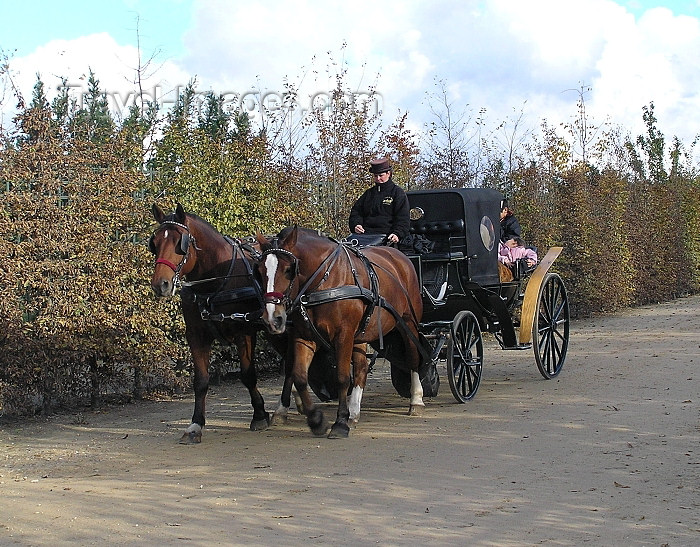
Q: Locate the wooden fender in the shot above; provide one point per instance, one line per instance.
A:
(532, 293)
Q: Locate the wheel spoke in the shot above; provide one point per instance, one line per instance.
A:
(463, 380)
(465, 356)
(551, 336)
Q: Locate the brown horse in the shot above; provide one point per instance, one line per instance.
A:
(340, 298)
(220, 299)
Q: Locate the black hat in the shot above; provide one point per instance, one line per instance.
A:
(379, 165)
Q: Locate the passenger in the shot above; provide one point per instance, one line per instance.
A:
(513, 250)
(510, 227)
(382, 209)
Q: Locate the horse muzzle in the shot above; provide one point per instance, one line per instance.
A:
(163, 287)
(275, 318)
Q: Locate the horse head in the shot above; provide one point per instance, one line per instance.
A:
(172, 245)
(277, 269)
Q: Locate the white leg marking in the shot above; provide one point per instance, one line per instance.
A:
(280, 415)
(281, 409)
(354, 403)
(416, 390)
(194, 428)
(298, 402)
(271, 264)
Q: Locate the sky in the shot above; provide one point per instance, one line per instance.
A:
(502, 60)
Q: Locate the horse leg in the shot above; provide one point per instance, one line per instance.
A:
(303, 354)
(200, 356)
(360, 368)
(343, 352)
(246, 349)
(282, 410)
(417, 405)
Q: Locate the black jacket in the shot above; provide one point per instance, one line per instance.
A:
(382, 209)
(510, 228)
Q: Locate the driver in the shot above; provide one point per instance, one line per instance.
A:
(382, 209)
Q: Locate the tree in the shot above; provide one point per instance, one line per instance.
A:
(93, 121)
(400, 145)
(74, 292)
(345, 129)
(452, 147)
(221, 173)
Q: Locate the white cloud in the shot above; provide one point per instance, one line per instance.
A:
(495, 54)
(114, 65)
(652, 61)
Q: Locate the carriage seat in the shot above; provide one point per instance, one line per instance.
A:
(449, 237)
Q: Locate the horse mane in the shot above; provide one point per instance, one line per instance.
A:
(309, 231)
(201, 223)
(205, 223)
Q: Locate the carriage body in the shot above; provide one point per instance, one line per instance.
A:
(461, 273)
(464, 296)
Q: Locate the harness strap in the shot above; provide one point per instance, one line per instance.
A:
(234, 252)
(371, 296)
(240, 246)
(208, 301)
(338, 293)
(331, 259)
(402, 324)
(374, 288)
(405, 292)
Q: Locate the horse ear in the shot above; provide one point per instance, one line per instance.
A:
(158, 213)
(290, 240)
(263, 241)
(180, 214)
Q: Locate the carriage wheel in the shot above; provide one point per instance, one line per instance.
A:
(465, 356)
(550, 330)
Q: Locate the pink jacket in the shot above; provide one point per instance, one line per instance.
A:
(508, 255)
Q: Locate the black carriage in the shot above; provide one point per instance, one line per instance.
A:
(464, 296)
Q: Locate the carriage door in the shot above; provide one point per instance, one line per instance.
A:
(483, 229)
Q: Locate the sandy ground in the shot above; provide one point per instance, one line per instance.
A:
(605, 454)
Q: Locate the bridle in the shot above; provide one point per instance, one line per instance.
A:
(278, 297)
(285, 298)
(187, 240)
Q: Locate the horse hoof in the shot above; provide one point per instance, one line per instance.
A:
(279, 419)
(260, 425)
(415, 410)
(339, 431)
(317, 423)
(191, 437)
(320, 431)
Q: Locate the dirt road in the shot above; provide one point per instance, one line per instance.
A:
(607, 453)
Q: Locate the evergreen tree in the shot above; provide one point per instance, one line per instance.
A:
(93, 121)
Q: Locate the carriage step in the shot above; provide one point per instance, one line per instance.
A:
(519, 347)
(439, 299)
